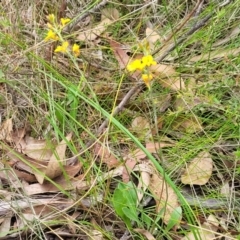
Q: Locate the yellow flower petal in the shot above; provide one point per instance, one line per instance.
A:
(62, 48)
(147, 78)
(65, 21)
(76, 50)
(135, 65)
(51, 18)
(148, 60)
(51, 35)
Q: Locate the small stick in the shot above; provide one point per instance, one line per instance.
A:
(120, 106)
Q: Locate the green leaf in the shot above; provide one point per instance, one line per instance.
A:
(175, 218)
(146, 219)
(119, 202)
(124, 201)
(131, 214)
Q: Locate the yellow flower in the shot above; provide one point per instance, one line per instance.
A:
(51, 35)
(64, 21)
(147, 79)
(51, 18)
(138, 64)
(62, 48)
(76, 50)
(135, 65)
(148, 61)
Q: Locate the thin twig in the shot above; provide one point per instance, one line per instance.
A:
(199, 9)
(120, 106)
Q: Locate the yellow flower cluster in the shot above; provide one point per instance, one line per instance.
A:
(143, 65)
(55, 33)
(51, 35)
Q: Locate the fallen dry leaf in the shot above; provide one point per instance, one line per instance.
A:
(106, 156)
(25, 163)
(7, 206)
(6, 130)
(143, 184)
(152, 148)
(95, 32)
(142, 127)
(140, 123)
(5, 226)
(129, 165)
(71, 223)
(153, 37)
(133, 158)
(24, 176)
(168, 77)
(213, 222)
(38, 149)
(25, 220)
(119, 53)
(110, 13)
(56, 163)
(199, 170)
(76, 183)
(122, 57)
(60, 183)
(13, 175)
(165, 197)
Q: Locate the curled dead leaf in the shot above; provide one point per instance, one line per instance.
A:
(165, 197)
